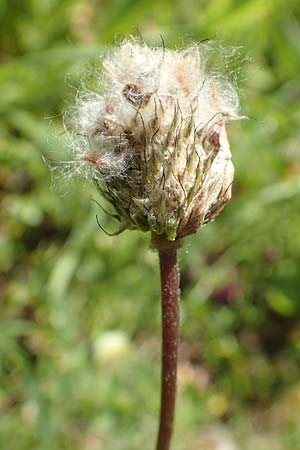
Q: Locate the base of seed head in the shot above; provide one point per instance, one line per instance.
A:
(155, 141)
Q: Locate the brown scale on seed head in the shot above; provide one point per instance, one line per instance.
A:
(181, 77)
(135, 95)
(91, 159)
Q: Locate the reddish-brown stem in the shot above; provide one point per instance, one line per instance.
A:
(170, 336)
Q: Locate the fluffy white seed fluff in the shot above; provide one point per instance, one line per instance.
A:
(154, 140)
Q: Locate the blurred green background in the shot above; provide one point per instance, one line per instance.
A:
(80, 312)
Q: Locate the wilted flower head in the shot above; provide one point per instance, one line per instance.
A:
(154, 140)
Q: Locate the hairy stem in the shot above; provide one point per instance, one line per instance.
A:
(170, 336)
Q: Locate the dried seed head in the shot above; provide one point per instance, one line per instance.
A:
(155, 142)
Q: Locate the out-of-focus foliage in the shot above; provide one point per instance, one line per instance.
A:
(80, 313)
